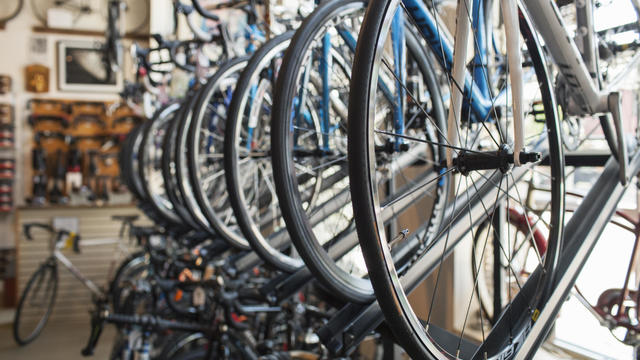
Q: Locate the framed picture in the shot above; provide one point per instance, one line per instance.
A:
(81, 68)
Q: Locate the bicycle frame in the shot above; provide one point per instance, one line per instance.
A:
(68, 264)
(324, 69)
(588, 98)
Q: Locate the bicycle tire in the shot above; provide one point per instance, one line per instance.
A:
(38, 276)
(169, 170)
(316, 257)
(243, 100)
(184, 187)
(132, 265)
(128, 162)
(193, 167)
(418, 339)
(176, 344)
(158, 198)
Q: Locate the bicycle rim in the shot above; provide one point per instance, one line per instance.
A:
(204, 145)
(386, 227)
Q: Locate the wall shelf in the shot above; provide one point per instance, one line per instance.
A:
(93, 33)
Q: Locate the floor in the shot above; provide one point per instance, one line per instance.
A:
(58, 341)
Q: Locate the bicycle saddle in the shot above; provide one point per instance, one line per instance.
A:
(128, 218)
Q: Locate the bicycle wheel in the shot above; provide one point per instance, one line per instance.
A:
(494, 283)
(136, 12)
(95, 10)
(36, 303)
(393, 230)
(11, 11)
(128, 162)
(169, 172)
(129, 165)
(150, 163)
(200, 167)
(247, 165)
(227, 346)
(133, 267)
(185, 189)
(180, 343)
(136, 16)
(310, 148)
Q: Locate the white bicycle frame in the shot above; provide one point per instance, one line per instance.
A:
(66, 262)
(588, 98)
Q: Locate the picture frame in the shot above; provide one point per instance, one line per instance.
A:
(81, 68)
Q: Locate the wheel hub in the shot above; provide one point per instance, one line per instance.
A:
(502, 160)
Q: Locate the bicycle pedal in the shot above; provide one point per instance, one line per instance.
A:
(537, 110)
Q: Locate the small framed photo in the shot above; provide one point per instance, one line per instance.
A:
(81, 68)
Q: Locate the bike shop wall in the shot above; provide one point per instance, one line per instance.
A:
(25, 42)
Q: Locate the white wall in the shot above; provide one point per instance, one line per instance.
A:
(15, 55)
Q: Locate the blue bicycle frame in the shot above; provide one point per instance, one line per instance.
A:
(325, 64)
(481, 102)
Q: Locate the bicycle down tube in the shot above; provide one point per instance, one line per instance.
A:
(75, 272)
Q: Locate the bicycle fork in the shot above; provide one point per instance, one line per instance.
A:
(512, 31)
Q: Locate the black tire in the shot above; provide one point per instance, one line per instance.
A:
(258, 238)
(315, 255)
(184, 188)
(226, 346)
(47, 275)
(178, 344)
(192, 355)
(293, 211)
(132, 267)
(418, 338)
(128, 162)
(193, 168)
(151, 134)
(169, 169)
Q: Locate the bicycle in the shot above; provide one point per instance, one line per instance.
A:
(39, 294)
(614, 309)
(504, 95)
(92, 12)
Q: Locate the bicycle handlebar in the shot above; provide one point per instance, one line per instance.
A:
(60, 234)
(26, 228)
(203, 12)
(173, 47)
(197, 31)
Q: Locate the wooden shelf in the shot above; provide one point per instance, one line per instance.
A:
(47, 30)
(71, 207)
